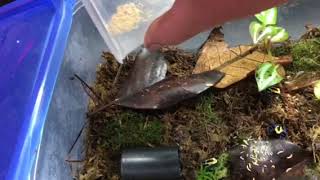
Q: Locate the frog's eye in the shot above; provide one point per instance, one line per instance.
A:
(279, 130)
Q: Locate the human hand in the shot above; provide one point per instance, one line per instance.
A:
(187, 18)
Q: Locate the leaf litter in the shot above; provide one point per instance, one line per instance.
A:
(237, 62)
(169, 92)
(147, 70)
(302, 80)
(203, 127)
(147, 87)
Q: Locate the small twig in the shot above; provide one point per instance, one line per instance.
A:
(314, 152)
(285, 60)
(114, 83)
(100, 109)
(235, 53)
(84, 83)
(235, 59)
(89, 90)
(116, 79)
(145, 123)
(77, 138)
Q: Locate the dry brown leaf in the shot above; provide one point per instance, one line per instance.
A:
(148, 69)
(302, 80)
(237, 63)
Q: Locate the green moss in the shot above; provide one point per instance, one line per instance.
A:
(218, 171)
(130, 129)
(206, 111)
(306, 55)
(313, 171)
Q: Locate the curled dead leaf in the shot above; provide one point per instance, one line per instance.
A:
(148, 69)
(171, 91)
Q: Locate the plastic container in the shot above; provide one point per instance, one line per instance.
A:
(33, 35)
(68, 107)
(123, 23)
(66, 114)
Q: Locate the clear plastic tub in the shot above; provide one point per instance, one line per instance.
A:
(123, 23)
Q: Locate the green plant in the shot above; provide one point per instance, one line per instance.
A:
(265, 30)
(269, 74)
(216, 171)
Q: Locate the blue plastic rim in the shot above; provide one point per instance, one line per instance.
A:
(33, 36)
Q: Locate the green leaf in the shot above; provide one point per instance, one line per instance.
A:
(274, 33)
(268, 17)
(267, 33)
(317, 90)
(281, 36)
(266, 27)
(268, 75)
(255, 29)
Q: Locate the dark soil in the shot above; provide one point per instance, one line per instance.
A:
(203, 127)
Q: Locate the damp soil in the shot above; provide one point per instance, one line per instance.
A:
(203, 127)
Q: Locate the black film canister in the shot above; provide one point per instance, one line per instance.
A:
(151, 164)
